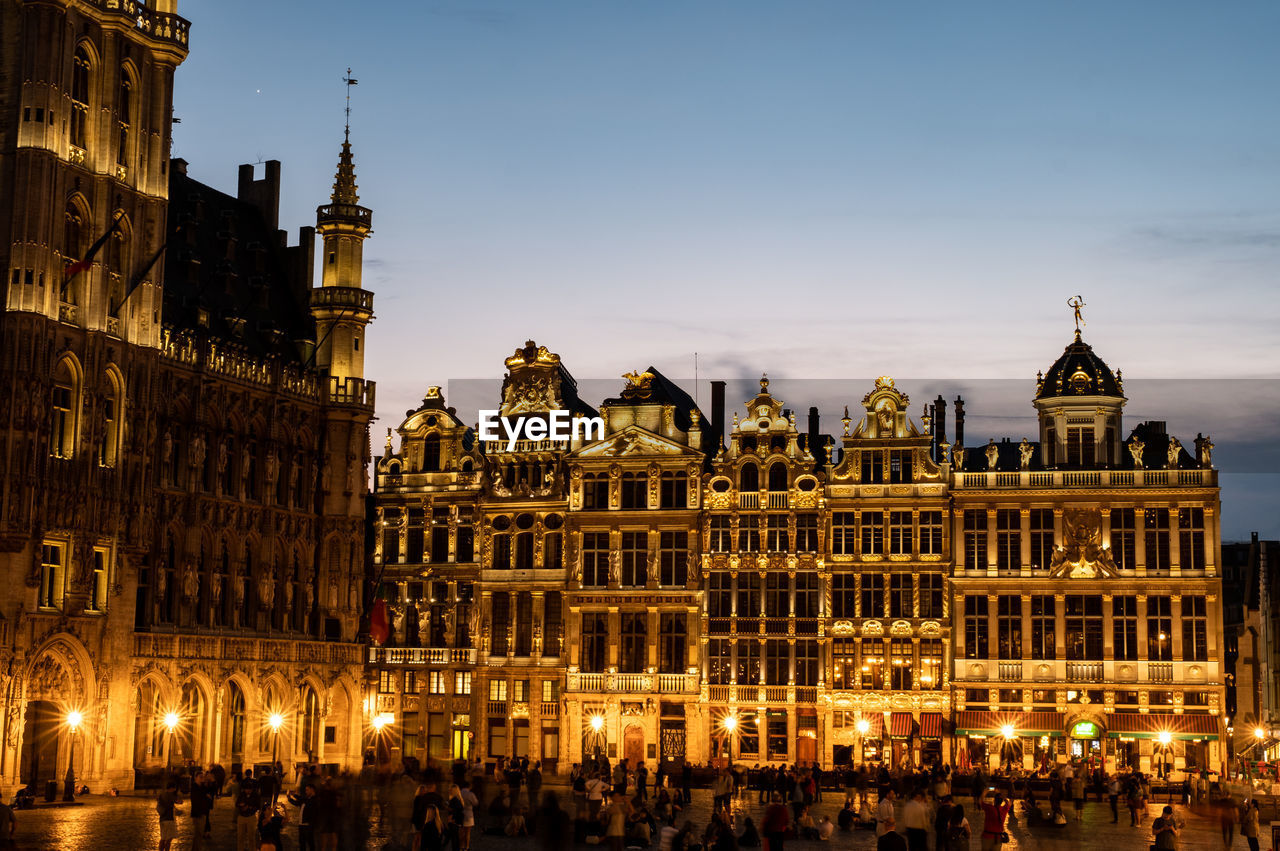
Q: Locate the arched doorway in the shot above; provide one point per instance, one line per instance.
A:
(633, 745)
(233, 726)
(310, 741)
(149, 745)
(51, 693)
(192, 734)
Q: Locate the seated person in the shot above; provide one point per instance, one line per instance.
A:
(750, 836)
(805, 826)
(825, 828)
(516, 825)
(866, 816)
(848, 814)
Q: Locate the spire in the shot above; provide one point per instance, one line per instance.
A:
(344, 183)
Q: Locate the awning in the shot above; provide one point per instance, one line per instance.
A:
(931, 725)
(1151, 725)
(1023, 723)
(900, 725)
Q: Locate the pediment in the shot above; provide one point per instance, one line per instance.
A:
(633, 441)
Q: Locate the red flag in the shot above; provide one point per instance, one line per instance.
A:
(73, 269)
(379, 628)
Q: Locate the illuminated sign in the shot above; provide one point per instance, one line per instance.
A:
(1084, 730)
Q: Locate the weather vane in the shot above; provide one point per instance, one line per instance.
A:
(350, 81)
(1075, 304)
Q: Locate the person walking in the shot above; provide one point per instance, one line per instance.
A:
(247, 804)
(1077, 795)
(915, 818)
(1113, 796)
(618, 816)
(202, 792)
(775, 823)
(994, 810)
(1249, 824)
(642, 782)
(1164, 831)
(166, 807)
(533, 784)
(305, 802)
(884, 811)
(1227, 816)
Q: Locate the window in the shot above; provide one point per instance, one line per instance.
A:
(462, 682)
(634, 642)
(497, 737)
(721, 534)
(748, 661)
(550, 691)
(524, 624)
(748, 595)
(1008, 539)
(1123, 533)
(520, 691)
(931, 595)
(807, 533)
(872, 468)
(719, 660)
(80, 68)
(1195, 631)
(410, 683)
(749, 533)
(845, 660)
(777, 662)
(501, 615)
(52, 571)
(436, 682)
(901, 595)
(873, 663)
(931, 533)
(98, 591)
(1009, 624)
(777, 476)
(975, 627)
(124, 106)
(900, 653)
(672, 649)
(719, 594)
(1041, 537)
(806, 666)
(806, 595)
(595, 559)
(777, 596)
(595, 492)
(524, 542)
(872, 533)
(675, 490)
(439, 535)
(386, 682)
(975, 539)
(109, 448)
(844, 595)
(777, 538)
(899, 466)
(872, 595)
(1124, 626)
(635, 491)
(1191, 538)
(1043, 627)
(498, 691)
(931, 663)
(843, 535)
(900, 532)
(1156, 536)
(749, 478)
(595, 642)
(553, 624)
(635, 559)
(66, 390)
(1080, 447)
(1083, 625)
(673, 558)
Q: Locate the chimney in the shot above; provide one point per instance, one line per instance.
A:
(263, 194)
(813, 432)
(717, 415)
(959, 421)
(939, 427)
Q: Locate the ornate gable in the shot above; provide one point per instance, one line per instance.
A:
(633, 441)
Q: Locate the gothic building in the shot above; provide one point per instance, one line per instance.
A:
(668, 591)
(184, 433)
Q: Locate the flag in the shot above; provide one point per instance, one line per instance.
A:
(73, 269)
(379, 629)
(137, 279)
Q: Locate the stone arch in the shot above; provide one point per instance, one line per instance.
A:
(195, 707)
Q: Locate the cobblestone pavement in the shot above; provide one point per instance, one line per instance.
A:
(130, 823)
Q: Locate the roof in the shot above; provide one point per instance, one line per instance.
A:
(1078, 373)
(656, 389)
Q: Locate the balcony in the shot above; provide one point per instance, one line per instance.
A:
(1085, 672)
(226, 648)
(1160, 672)
(344, 213)
(351, 391)
(158, 25)
(421, 656)
(634, 683)
(342, 297)
(1201, 477)
(1010, 672)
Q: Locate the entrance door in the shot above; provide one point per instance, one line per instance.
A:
(40, 743)
(633, 746)
(806, 750)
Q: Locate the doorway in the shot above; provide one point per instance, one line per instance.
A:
(633, 746)
(40, 743)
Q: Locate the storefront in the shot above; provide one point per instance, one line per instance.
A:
(994, 739)
(901, 731)
(931, 738)
(1163, 744)
(857, 738)
(1084, 742)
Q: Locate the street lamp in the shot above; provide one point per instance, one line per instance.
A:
(275, 721)
(74, 718)
(1165, 738)
(170, 720)
(1007, 733)
(730, 725)
(863, 726)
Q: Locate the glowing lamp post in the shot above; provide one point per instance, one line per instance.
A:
(1007, 732)
(74, 719)
(170, 721)
(275, 721)
(1165, 738)
(730, 725)
(863, 727)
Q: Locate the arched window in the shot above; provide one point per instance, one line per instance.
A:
(235, 720)
(749, 478)
(64, 405)
(112, 412)
(777, 476)
(270, 708)
(118, 260)
(81, 66)
(124, 114)
(191, 733)
(431, 453)
(310, 723)
(148, 735)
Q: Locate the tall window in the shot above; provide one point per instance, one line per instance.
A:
(52, 573)
(806, 533)
(1009, 624)
(719, 661)
(523, 542)
(719, 594)
(98, 590)
(552, 544)
(1123, 532)
(806, 664)
(749, 533)
(109, 448)
(931, 595)
(1157, 538)
(672, 648)
(311, 722)
(975, 539)
(1080, 447)
(1195, 629)
(124, 115)
(675, 490)
(595, 492)
(673, 558)
(777, 662)
(873, 663)
(80, 69)
(845, 667)
(635, 559)
(872, 532)
(1124, 626)
(975, 627)
(501, 610)
(1041, 537)
(931, 533)
(1083, 625)
(553, 624)
(844, 595)
(873, 595)
(777, 538)
(747, 668)
(633, 641)
(1191, 538)
(806, 595)
(431, 453)
(900, 652)
(931, 663)
(73, 244)
(777, 596)
(748, 595)
(901, 595)
(900, 532)
(595, 642)
(872, 468)
(899, 466)
(595, 559)
(777, 476)
(1160, 629)
(721, 533)
(749, 478)
(843, 533)
(635, 491)
(1008, 539)
(1043, 627)
(66, 390)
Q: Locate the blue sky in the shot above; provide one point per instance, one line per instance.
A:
(822, 190)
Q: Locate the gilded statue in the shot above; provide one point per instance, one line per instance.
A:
(1175, 450)
(1082, 555)
(1025, 453)
(957, 457)
(1136, 448)
(993, 454)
